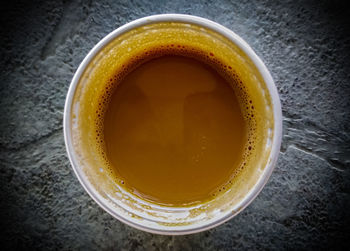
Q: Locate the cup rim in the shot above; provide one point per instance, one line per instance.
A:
(234, 38)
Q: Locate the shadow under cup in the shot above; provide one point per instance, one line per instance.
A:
(109, 56)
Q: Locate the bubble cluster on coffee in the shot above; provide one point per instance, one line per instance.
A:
(227, 71)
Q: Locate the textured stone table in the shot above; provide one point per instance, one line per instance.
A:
(306, 203)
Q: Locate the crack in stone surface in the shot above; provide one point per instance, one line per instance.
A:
(332, 148)
(34, 141)
(74, 14)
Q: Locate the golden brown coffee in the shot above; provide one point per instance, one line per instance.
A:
(175, 125)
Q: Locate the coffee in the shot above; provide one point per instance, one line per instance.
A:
(174, 125)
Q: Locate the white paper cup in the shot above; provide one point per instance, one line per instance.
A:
(145, 215)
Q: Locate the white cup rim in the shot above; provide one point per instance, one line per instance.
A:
(277, 131)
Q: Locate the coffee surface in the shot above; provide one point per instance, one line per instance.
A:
(173, 128)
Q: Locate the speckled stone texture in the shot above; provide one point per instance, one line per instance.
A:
(306, 203)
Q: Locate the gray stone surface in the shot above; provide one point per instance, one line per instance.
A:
(305, 205)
